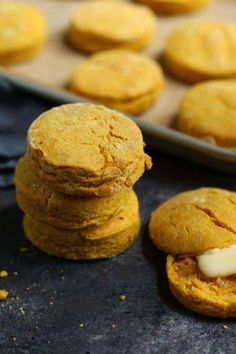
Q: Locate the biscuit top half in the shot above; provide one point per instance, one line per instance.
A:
(105, 75)
(195, 221)
(21, 25)
(118, 21)
(88, 139)
(209, 110)
(205, 46)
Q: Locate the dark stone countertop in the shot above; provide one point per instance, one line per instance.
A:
(74, 307)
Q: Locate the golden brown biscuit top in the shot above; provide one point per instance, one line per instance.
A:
(114, 20)
(90, 138)
(204, 46)
(195, 221)
(209, 109)
(20, 25)
(117, 75)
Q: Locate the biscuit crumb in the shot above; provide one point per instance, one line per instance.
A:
(122, 297)
(14, 338)
(3, 273)
(113, 325)
(22, 310)
(3, 294)
(15, 273)
(51, 303)
(81, 325)
(225, 327)
(24, 249)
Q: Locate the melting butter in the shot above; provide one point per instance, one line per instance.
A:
(218, 262)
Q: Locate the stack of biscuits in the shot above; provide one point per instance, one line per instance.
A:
(75, 182)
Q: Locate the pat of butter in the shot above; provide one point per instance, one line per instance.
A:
(218, 262)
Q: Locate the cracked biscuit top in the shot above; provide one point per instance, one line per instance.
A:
(208, 110)
(200, 50)
(195, 221)
(86, 149)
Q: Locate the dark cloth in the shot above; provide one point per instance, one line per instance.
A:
(18, 109)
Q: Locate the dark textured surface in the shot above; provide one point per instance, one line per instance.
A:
(63, 295)
(61, 307)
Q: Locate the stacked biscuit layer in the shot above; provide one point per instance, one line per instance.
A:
(74, 183)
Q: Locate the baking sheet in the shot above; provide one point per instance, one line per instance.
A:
(162, 137)
(56, 62)
(54, 65)
(57, 306)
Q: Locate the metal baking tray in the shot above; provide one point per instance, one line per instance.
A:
(166, 139)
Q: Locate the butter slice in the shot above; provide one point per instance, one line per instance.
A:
(218, 262)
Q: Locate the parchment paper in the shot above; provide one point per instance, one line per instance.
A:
(56, 62)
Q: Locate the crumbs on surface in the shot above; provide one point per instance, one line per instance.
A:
(22, 310)
(3, 273)
(24, 249)
(113, 325)
(81, 325)
(3, 294)
(15, 273)
(225, 327)
(122, 297)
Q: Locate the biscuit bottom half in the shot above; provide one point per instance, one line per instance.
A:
(208, 296)
(27, 53)
(131, 106)
(103, 241)
(91, 43)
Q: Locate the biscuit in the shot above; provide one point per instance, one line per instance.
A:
(202, 50)
(102, 241)
(208, 111)
(195, 221)
(42, 202)
(101, 25)
(174, 6)
(186, 226)
(208, 296)
(23, 32)
(131, 88)
(87, 150)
